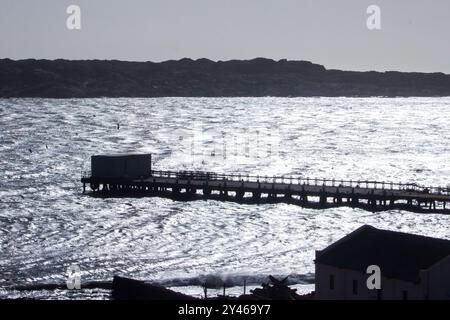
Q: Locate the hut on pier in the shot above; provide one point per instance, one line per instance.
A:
(121, 166)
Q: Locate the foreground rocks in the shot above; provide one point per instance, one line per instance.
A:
(205, 78)
(130, 289)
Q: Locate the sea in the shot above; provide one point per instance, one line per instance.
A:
(48, 227)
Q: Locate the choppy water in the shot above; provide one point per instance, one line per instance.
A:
(46, 224)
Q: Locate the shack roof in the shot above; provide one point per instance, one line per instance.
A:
(118, 155)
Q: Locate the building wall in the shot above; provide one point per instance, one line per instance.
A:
(391, 289)
(436, 280)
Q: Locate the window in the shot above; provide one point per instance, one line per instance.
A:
(405, 295)
(332, 282)
(355, 286)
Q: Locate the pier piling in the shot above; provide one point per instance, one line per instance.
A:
(372, 196)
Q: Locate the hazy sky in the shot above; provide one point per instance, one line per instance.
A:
(414, 36)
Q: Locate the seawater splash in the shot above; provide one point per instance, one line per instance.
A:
(46, 224)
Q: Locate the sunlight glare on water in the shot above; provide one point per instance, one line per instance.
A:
(47, 224)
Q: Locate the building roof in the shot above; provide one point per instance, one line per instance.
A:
(121, 155)
(399, 255)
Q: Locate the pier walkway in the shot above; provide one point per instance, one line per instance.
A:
(306, 192)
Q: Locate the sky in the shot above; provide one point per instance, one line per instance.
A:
(414, 34)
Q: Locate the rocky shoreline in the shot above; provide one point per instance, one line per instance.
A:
(131, 289)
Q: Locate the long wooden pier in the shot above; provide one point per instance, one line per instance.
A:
(311, 193)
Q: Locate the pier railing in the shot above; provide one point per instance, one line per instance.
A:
(291, 179)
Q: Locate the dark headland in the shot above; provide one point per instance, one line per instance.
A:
(206, 78)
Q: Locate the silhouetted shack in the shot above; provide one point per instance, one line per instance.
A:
(411, 266)
(121, 166)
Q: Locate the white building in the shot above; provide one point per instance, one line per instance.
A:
(412, 266)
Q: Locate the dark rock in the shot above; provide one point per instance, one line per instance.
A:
(275, 290)
(130, 289)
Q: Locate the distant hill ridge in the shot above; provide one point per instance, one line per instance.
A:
(206, 78)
